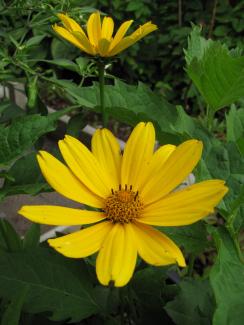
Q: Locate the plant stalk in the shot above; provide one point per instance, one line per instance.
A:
(101, 69)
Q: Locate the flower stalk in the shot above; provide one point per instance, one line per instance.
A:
(101, 72)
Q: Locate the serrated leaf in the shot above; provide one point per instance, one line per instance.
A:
(57, 285)
(24, 132)
(197, 45)
(21, 135)
(194, 304)
(218, 75)
(227, 280)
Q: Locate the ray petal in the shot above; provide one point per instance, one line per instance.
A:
(85, 166)
(175, 170)
(64, 181)
(156, 248)
(106, 149)
(82, 243)
(120, 34)
(60, 216)
(116, 260)
(185, 206)
(94, 28)
(137, 154)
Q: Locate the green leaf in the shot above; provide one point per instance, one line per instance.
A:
(235, 126)
(128, 104)
(11, 239)
(193, 305)
(23, 133)
(9, 111)
(227, 281)
(64, 63)
(12, 314)
(218, 75)
(151, 292)
(197, 45)
(56, 284)
(24, 178)
(32, 236)
(35, 40)
(76, 124)
(193, 237)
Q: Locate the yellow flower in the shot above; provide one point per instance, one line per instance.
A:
(133, 191)
(100, 40)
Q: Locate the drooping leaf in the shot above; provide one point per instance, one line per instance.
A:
(57, 285)
(227, 281)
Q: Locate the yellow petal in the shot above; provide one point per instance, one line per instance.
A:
(122, 45)
(185, 206)
(120, 33)
(177, 167)
(107, 28)
(103, 46)
(88, 48)
(64, 182)
(156, 248)
(138, 152)
(106, 149)
(85, 166)
(82, 243)
(157, 162)
(70, 23)
(69, 37)
(61, 216)
(117, 257)
(94, 28)
(143, 30)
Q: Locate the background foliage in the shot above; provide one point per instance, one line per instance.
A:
(191, 86)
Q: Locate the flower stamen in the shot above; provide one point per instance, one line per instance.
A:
(123, 206)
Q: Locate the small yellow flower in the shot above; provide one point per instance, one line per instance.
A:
(133, 191)
(100, 40)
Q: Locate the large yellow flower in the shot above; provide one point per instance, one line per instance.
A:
(100, 40)
(133, 191)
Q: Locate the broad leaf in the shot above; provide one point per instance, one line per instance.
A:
(56, 285)
(227, 280)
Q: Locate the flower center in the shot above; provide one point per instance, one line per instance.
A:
(123, 206)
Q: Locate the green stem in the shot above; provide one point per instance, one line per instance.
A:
(101, 68)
